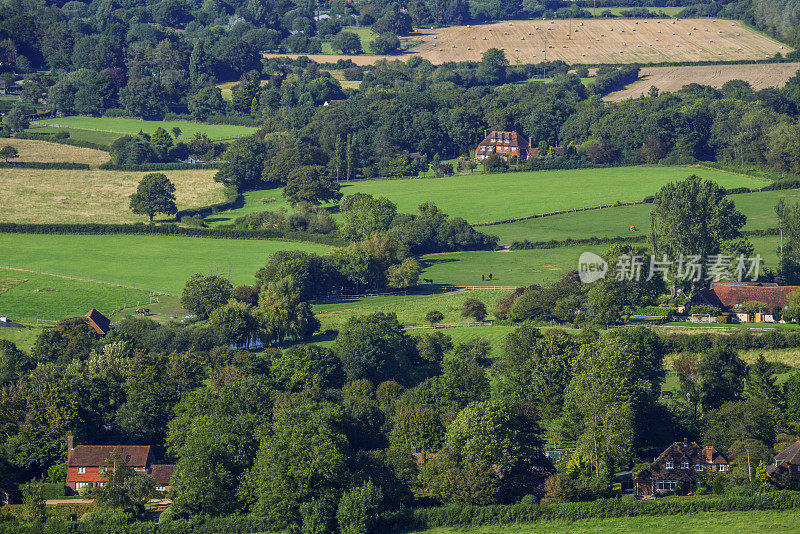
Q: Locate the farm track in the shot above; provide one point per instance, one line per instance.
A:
(670, 79)
(590, 41)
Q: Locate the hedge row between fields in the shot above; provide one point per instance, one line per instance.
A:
(150, 167)
(64, 166)
(163, 229)
(50, 138)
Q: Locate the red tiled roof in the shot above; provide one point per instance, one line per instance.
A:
(727, 296)
(505, 139)
(161, 473)
(96, 455)
(98, 321)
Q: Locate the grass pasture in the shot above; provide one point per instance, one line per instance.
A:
(612, 222)
(409, 308)
(76, 196)
(752, 522)
(97, 137)
(44, 152)
(34, 296)
(149, 263)
(491, 197)
(121, 126)
(670, 79)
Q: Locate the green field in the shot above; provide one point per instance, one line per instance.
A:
(150, 263)
(701, 523)
(121, 126)
(610, 222)
(409, 308)
(23, 338)
(29, 296)
(253, 203)
(365, 34)
(97, 137)
(491, 197)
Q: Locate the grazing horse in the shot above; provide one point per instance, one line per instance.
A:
(143, 311)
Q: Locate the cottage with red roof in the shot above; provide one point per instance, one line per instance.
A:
(86, 464)
(505, 144)
(729, 297)
(678, 468)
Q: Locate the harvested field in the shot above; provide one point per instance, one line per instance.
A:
(44, 152)
(592, 41)
(72, 196)
(669, 79)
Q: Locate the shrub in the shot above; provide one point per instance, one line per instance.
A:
(359, 509)
(434, 316)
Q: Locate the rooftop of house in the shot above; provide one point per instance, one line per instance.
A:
(504, 138)
(161, 473)
(727, 296)
(96, 455)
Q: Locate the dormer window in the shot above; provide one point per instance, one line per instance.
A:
(684, 465)
(668, 464)
(698, 467)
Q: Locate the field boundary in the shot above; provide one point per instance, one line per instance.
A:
(38, 124)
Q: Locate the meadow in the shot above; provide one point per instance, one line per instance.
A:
(149, 263)
(27, 296)
(611, 222)
(490, 197)
(410, 308)
(751, 522)
(96, 137)
(122, 126)
(77, 196)
(44, 152)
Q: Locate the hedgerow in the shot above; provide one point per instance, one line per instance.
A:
(44, 165)
(108, 166)
(50, 138)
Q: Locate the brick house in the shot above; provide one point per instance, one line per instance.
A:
(507, 145)
(728, 297)
(679, 467)
(86, 464)
(786, 465)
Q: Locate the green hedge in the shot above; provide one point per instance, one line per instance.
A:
(108, 166)
(49, 137)
(44, 165)
(163, 229)
(535, 245)
(51, 491)
(603, 508)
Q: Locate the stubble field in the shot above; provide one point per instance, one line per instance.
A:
(670, 79)
(590, 41)
(43, 152)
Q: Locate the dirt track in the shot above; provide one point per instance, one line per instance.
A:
(669, 79)
(589, 41)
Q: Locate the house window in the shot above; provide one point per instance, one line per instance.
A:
(698, 467)
(161, 488)
(684, 465)
(669, 464)
(101, 484)
(81, 470)
(722, 467)
(79, 485)
(666, 485)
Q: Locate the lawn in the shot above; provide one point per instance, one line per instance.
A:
(76, 196)
(609, 222)
(409, 308)
(701, 523)
(38, 296)
(121, 126)
(150, 263)
(491, 197)
(44, 152)
(23, 338)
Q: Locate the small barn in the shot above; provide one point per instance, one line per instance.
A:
(99, 322)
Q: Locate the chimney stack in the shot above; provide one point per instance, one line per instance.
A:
(485, 134)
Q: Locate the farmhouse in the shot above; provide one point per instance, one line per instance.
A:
(677, 468)
(729, 297)
(505, 144)
(786, 465)
(86, 464)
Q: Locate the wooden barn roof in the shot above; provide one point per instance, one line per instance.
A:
(98, 321)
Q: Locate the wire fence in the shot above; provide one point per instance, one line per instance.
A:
(436, 326)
